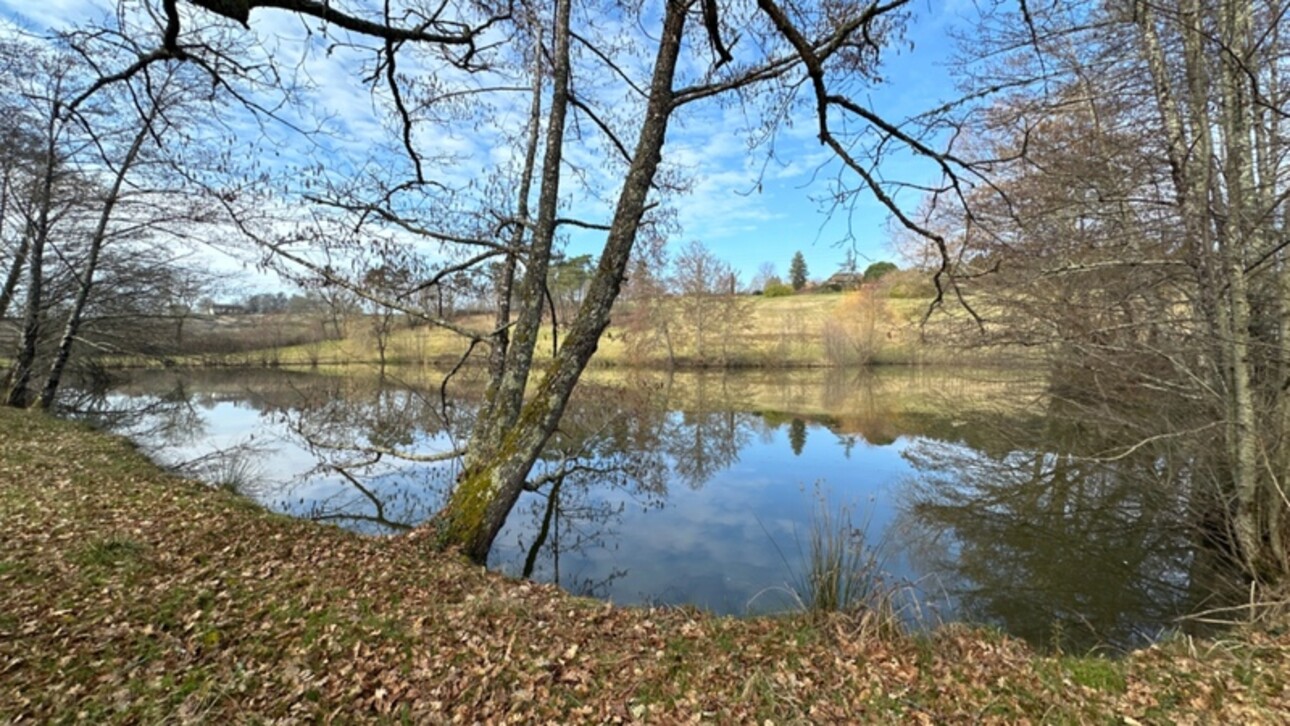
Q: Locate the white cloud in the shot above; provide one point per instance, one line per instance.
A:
(46, 14)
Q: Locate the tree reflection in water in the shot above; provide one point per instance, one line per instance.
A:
(1025, 528)
(621, 446)
(1009, 514)
(385, 440)
(166, 417)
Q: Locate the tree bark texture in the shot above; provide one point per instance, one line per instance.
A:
(1221, 153)
(491, 485)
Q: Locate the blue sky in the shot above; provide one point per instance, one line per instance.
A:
(770, 225)
(740, 222)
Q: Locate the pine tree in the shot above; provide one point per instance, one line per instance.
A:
(797, 271)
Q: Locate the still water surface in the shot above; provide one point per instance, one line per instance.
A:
(701, 489)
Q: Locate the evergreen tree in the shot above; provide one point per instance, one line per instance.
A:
(797, 271)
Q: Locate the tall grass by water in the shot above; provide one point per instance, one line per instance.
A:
(840, 570)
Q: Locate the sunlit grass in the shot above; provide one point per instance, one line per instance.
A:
(774, 332)
(777, 332)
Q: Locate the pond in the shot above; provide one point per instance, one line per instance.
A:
(975, 500)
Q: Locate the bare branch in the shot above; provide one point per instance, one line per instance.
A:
(407, 226)
(712, 24)
(613, 138)
(240, 10)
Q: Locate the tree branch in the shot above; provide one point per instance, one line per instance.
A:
(240, 11)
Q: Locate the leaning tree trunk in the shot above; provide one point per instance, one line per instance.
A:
(490, 486)
(19, 255)
(64, 351)
(16, 268)
(25, 360)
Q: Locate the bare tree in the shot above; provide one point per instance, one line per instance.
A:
(149, 124)
(857, 328)
(1227, 158)
(709, 307)
(46, 209)
(184, 292)
(765, 274)
(101, 220)
(612, 95)
(20, 160)
(381, 318)
(1134, 226)
(646, 310)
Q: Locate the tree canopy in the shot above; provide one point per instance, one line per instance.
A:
(875, 271)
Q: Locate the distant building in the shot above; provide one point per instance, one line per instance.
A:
(844, 280)
(225, 309)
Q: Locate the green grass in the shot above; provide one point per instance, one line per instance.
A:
(1097, 673)
(111, 552)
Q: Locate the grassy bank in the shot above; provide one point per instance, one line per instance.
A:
(808, 330)
(127, 595)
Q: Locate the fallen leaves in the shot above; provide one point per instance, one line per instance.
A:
(127, 595)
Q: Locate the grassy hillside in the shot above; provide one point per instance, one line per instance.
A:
(807, 330)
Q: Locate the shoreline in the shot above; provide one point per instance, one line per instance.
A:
(129, 594)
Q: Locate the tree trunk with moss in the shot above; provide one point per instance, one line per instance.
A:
(505, 448)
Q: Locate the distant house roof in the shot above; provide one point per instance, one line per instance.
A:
(845, 280)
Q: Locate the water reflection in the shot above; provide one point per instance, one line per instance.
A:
(166, 417)
(1030, 530)
(797, 436)
(697, 489)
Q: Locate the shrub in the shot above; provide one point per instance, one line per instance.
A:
(878, 270)
(857, 330)
(777, 289)
(907, 284)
